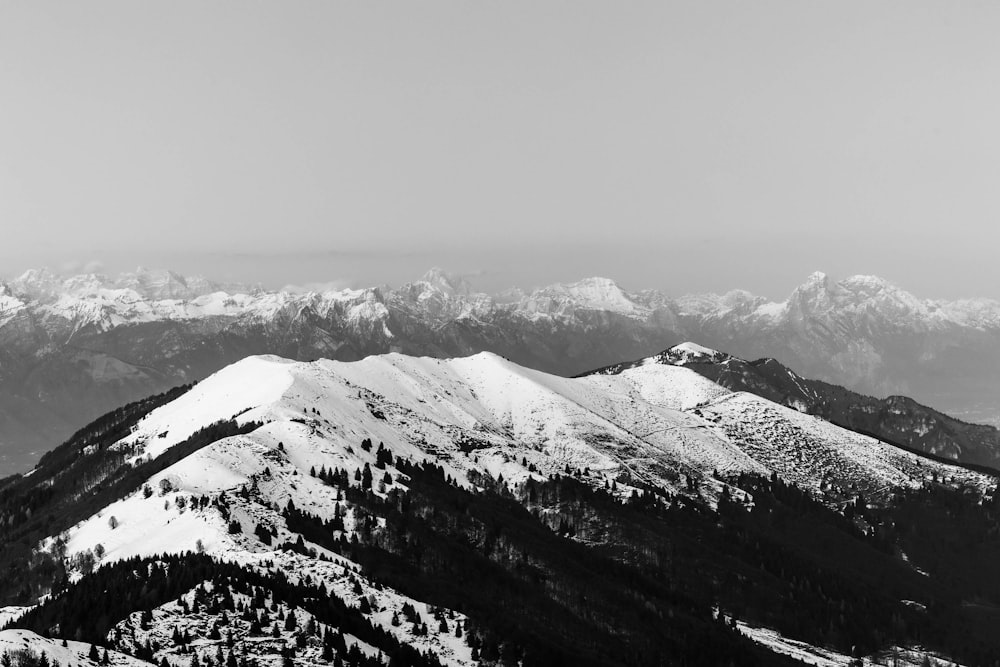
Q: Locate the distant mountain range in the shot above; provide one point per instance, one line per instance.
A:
(74, 348)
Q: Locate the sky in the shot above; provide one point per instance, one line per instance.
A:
(685, 146)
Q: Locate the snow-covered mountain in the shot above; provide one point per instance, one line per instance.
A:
(485, 415)
(74, 348)
(896, 419)
(284, 510)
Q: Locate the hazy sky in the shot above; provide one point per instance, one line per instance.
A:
(688, 146)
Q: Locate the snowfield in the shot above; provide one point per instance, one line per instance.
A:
(652, 423)
(820, 657)
(74, 654)
(8, 614)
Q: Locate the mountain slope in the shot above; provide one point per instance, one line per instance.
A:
(896, 419)
(387, 502)
(634, 427)
(72, 654)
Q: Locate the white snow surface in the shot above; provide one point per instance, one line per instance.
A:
(673, 387)
(239, 389)
(8, 614)
(480, 413)
(689, 352)
(694, 348)
(74, 654)
(10, 307)
(822, 657)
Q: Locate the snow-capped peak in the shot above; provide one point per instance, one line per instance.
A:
(693, 352)
(447, 282)
(862, 297)
(35, 283)
(160, 284)
(817, 278)
(602, 294)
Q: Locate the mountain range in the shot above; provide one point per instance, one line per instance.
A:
(419, 511)
(74, 348)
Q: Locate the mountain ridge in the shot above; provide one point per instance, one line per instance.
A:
(896, 419)
(818, 293)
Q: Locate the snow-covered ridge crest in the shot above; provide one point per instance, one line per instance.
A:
(421, 404)
(654, 424)
(686, 353)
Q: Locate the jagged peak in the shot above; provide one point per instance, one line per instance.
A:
(446, 281)
(589, 283)
(36, 275)
(147, 274)
(35, 283)
(817, 280)
(858, 293)
(867, 279)
(598, 281)
(816, 293)
(596, 293)
(164, 284)
(594, 284)
(870, 285)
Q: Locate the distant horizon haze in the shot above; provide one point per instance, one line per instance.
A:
(683, 146)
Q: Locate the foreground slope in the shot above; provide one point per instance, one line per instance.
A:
(65, 654)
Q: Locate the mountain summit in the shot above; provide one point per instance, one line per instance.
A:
(895, 419)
